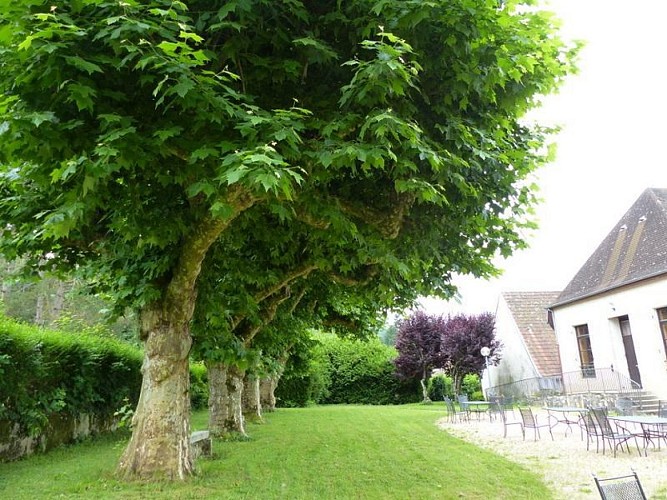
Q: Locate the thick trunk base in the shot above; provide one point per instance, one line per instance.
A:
(267, 393)
(225, 413)
(252, 407)
(160, 444)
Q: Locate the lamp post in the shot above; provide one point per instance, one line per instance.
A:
(485, 351)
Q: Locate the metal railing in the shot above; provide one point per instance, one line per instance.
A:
(581, 385)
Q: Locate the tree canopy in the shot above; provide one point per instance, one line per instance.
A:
(463, 338)
(426, 342)
(382, 138)
(418, 343)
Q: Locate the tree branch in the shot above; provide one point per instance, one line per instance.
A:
(389, 224)
(303, 271)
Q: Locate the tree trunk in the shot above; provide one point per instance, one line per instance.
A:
(267, 390)
(225, 415)
(58, 300)
(425, 397)
(160, 443)
(40, 309)
(252, 407)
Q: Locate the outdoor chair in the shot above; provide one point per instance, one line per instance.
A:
(614, 436)
(500, 411)
(463, 404)
(454, 415)
(507, 402)
(624, 406)
(592, 431)
(662, 408)
(494, 407)
(530, 422)
(625, 487)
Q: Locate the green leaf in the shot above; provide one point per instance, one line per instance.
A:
(234, 175)
(222, 210)
(38, 118)
(203, 153)
(183, 86)
(82, 95)
(89, 183)
(83, 65)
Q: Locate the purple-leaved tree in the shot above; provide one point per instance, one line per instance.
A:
(418, 345)
(462, 339)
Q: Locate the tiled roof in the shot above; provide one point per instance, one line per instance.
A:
(634, 250)
(529, 310)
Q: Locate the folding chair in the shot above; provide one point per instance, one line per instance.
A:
(592, 431)
(530, 422)
(499, 410)
(463, 404)
(610, 435)
(625, 487)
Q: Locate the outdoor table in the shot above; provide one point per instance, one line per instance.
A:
(651, 426)
(478, 406)
(561, 415)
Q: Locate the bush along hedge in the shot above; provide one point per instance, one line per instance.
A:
(50, 380)
(345, 371)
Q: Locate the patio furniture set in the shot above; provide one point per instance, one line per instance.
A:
(596, 424)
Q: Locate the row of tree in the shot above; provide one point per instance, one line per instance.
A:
(450, 344)
(237, 170)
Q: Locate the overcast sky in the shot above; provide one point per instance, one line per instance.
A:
(612, 147)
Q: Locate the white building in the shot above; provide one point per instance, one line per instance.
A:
(611, 319)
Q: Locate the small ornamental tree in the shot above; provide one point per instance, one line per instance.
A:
(418, 345)
(463, 337)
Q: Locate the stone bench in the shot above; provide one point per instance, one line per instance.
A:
(201, 444)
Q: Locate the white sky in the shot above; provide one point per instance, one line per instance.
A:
(612, 147)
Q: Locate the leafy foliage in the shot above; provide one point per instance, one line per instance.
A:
(462, 340)
(353, 372)
(47, 372)
(440, 386)
(418, 344)
(426, 342)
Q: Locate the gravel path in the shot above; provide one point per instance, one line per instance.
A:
(564, 463)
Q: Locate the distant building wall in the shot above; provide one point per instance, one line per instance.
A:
(516, 363)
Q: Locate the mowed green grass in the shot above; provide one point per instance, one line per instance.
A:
(356, 452)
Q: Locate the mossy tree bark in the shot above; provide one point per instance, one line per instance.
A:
(225, 415)
(252, 407)
(267, 390)
(160, 443)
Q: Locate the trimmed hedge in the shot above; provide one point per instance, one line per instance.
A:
(345, 371)
(45, 373)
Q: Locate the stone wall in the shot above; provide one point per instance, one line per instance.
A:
(60, 429)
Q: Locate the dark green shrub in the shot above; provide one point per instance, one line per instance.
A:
(472, 386)
(344, 371)
(45, 372)
(440, 386)
(198, 386)
(305, 379)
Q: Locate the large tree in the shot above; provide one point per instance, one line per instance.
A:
(136, 134)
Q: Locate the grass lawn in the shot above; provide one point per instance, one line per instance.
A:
(359, 452)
